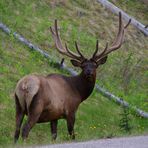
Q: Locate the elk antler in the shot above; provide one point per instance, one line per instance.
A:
(116, 43)
(65, 50)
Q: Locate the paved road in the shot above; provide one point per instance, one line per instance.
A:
(128, 142)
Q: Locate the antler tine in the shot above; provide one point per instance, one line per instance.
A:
(128, 23)
(70, 53)
(117, 41)
(61, 49)
(56, 38)
(80, 58)
(77, 48)
(97, 48)
(95, 57)
(119, 30)
(102, 53)
(120, 36)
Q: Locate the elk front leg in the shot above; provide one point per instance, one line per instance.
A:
(19, 118)
(70, 125)
(53, 125)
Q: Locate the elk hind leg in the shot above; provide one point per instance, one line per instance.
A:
(34, 113)
(19, 118)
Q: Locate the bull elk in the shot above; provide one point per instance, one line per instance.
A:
(55, 96)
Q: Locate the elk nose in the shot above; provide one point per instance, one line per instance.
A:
(89, 72)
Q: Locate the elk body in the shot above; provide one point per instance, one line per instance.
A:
(52, 97)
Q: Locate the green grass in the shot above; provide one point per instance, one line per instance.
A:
(125, 74)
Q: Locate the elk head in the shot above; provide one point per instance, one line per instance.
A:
(89, 66)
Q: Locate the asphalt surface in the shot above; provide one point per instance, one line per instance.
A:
(126, 142)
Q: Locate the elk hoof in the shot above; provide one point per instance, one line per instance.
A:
(72, 136)
(54, 136)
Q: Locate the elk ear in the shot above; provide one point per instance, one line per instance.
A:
(102, 61)
(75, 63)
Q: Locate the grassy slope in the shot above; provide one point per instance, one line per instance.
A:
(135, 8)
(125, 69)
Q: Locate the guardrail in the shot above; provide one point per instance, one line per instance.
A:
(125, 16)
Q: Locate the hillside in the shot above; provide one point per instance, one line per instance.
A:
(136, 8)
(125, 74)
